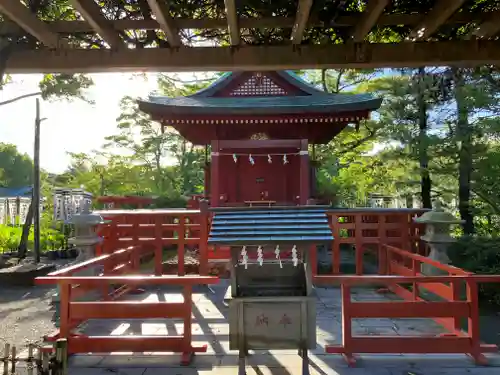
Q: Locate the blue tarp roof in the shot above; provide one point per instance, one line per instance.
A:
(15, 192)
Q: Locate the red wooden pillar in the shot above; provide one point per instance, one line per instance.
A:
(207, 180)
(305, 173)
(203, 245)
(215, 175)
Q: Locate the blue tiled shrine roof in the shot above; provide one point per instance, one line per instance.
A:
(246, 226)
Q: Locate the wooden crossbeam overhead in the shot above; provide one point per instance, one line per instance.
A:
(488, 28)
(374, 9)
(443, 10)
(301, 19)
(167, 24)
(368, 55)
(232, 22)
(23, 17)
(91, 12)
(69, 27)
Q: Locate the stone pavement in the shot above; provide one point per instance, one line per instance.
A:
(210, 327)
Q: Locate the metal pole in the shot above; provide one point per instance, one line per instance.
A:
(36, 184)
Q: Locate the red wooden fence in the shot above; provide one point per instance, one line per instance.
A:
(364, 229)
(73, 313)
(463, 343)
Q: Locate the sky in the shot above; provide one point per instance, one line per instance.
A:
(69, 126)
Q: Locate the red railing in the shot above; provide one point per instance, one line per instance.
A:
(400, 267)
(157, 229)
(126, 261)
(121, 262)
(365, 229)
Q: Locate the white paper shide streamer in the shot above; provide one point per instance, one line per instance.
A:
(250, 159)
(277, 252)
(285, 159)
(295, 259)
(269, 159)
(244, 256)
(260, 256)
(235, 158)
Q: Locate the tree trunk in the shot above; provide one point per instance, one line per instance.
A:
(464, 140)
(23, 243)
(423, 142)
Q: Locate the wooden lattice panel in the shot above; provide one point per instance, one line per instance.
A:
(258, 85)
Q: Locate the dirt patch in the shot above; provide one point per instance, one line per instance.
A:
(25, 315)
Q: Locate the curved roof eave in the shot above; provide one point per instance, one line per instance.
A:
(152, 107)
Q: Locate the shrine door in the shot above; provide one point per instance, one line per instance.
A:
(262, 178)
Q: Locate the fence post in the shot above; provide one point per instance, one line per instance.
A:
(455, 285)
(415, 266)
(61, 357)
(6, 355)
(187, 294)
(473, 321)
(158, 255)
(358, 235)
(334, 226)
(346, 320)
(65, 299)
(203, 243)
(382, 239)
(181, 234)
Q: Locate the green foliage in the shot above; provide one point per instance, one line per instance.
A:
(49, 238)
(479, 255)
(16, 169)
(65, 86)
(56, 86)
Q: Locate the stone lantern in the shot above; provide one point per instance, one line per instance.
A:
(438, 225)
(85, 240)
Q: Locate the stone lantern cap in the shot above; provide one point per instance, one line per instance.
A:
(438, 216)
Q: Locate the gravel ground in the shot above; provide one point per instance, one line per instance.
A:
(25, 315)
(25, 312)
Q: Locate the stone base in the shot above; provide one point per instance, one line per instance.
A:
(24, 276)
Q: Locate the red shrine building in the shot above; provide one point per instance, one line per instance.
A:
(260, 126)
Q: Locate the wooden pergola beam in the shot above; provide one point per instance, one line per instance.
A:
(91, 12)
(69, 27)
(22, 16)
(374, 9)
(301, 20)
(367, 55)
(232, 22)
(489, 28)
(443, 10)
(167, 24)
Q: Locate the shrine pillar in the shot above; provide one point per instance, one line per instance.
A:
(207, 180)
(305, 173)
(214, 175)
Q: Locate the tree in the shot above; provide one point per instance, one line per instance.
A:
(16, 169)
(144, 140)
(57, 86)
